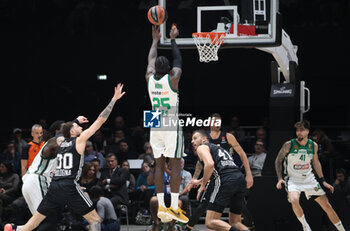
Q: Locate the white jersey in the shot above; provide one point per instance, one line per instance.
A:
(43, 167)
(163, 96)
(298, 162)
(168, 139)
(37, 180)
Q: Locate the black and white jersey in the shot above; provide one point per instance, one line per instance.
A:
(223, 161)
(69, 161)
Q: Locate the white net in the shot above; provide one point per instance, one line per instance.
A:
(208, 45)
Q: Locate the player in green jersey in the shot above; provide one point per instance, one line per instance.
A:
(300, 159)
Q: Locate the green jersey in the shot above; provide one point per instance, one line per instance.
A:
(298, 162)
(163, 96)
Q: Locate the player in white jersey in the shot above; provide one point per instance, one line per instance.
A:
(166, 142)
(300, 159)
(38, 177)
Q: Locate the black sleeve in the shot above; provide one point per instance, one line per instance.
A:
(177, 62)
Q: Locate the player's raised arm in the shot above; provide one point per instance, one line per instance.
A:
(278, 163)
(176, 71)
(177, 58)
(50, 149)
(152, 55)
(102, 118)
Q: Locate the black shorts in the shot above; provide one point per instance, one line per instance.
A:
(226, 191)
(65, 192)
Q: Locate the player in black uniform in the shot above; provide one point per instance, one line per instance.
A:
(226, 185)
(226, 141)
(64, 188)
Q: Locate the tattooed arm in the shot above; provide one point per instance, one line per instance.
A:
(197, 172)
(101, 119)
(278, 163)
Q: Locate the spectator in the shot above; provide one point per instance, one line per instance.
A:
(91, 154)
(19, 142)
(186, 177)
(191, 158)
(145, 191)
(239, 132)
(32, 148)
(147, 156)
(325, 146)
(9, 185)
(325, 153)
(257, 159)
(113, 180)
(261, 134)
(88, 177)
(125, 152)
(10, 154)
(131, 182)
(19, 211)
(96, 162)
(114, 142)
(99, 142)
(119, 124)
(342, 183)
(139, 136)
(105, 210)
(118, 136)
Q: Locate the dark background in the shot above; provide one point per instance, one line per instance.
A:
(52, 50)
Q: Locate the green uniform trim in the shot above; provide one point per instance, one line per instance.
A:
(310, 149)
(177, 140)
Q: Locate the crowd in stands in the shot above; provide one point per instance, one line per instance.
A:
(111, 181)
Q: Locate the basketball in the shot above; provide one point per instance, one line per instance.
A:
(157, 15)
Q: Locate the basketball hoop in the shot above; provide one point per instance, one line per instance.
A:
(208, 44)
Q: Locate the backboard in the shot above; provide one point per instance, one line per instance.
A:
(247, 23)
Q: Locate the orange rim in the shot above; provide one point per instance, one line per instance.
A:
(215, 37)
